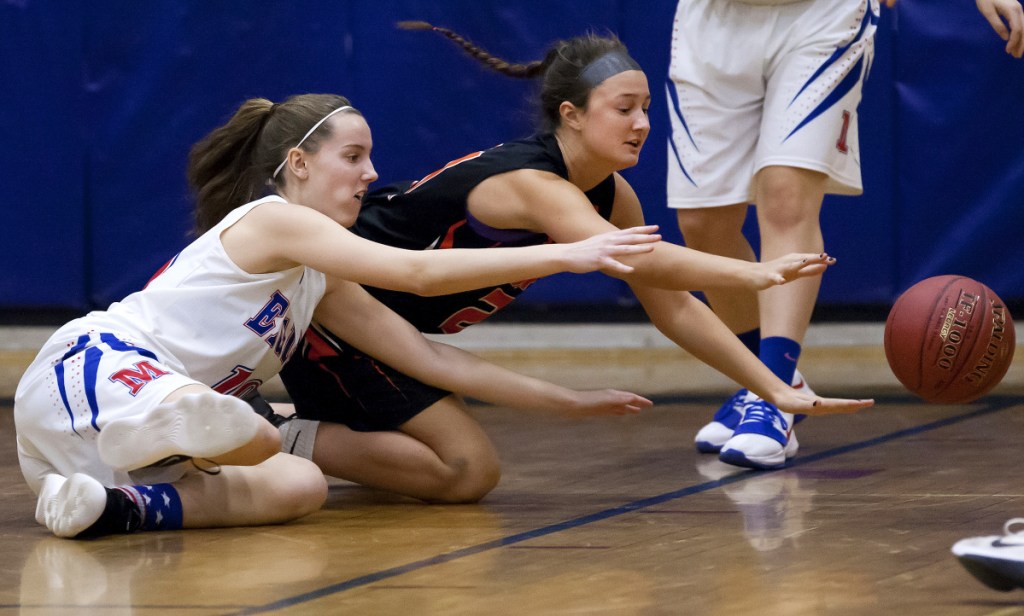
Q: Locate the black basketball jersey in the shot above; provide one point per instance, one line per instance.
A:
(432, 214)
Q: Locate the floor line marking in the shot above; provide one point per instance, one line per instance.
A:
(363, 580)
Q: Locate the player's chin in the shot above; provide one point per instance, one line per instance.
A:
(347, 217)
(630, 158)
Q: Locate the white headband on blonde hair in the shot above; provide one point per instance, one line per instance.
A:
(306, 136)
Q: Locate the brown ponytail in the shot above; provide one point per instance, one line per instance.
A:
(233, 164)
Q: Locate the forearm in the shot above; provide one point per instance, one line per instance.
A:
(350, 313)
(679, 268)
(440, 272)
(688, 322)
(477, 378)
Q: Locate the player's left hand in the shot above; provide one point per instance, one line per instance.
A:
(600, 251)
(793, 266)
(606, 402)
(799, 403)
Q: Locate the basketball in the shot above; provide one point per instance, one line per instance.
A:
(949, 339)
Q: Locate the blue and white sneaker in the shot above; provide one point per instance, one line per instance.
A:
(995, 561)
(716, 432)
(763, 440)
(800, 384)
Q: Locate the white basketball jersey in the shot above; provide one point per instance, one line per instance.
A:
(208, 319)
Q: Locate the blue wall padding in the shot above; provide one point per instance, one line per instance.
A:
(101, 101)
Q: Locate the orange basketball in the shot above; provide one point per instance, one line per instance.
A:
(949, 339)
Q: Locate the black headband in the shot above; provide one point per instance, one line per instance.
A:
(611, 63)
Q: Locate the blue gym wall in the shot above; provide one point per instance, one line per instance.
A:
(100, 101)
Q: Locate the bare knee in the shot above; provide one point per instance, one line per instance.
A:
(789, 198)
(469, 480)
(717, 230)
(302, 488)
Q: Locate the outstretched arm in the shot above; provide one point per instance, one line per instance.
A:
(349, 312)
(1007, 18)
(276, 236)
(544, 202)
(688, 322)
(661, 279)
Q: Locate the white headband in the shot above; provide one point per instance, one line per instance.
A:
(306, 136)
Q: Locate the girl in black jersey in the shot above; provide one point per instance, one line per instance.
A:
(363, 421)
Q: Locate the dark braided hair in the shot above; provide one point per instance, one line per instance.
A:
(560, 69)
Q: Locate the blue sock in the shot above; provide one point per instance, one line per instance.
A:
(752, 340)
(780, 355)
(159, 504)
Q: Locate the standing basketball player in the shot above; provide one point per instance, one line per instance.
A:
(132, 418)
(763, 107)
(378, 427)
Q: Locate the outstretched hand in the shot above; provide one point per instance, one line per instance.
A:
(1007, 18)
(599, 251)
(796, 402)
(604, 402)
(792, 266)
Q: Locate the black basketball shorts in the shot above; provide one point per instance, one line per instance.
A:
(329, 380)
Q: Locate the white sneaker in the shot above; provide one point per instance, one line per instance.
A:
(800, 384)
(763, 440)
(718, 431)
(996, 561)
(202, 425)
(69, 506)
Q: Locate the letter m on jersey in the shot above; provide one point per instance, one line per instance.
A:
(136, 378)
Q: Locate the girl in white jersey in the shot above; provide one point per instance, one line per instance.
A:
(123, 406)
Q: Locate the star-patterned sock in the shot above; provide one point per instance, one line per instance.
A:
(158, 504)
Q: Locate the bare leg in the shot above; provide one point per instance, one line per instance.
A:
(719, 231)
(788, 210)
(280, 489)
(441, 454)
(277, 490)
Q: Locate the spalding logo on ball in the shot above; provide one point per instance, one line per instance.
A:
(949, 339)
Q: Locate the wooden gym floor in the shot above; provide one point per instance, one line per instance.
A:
(607, 516)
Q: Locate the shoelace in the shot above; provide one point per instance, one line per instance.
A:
(763, 412)
(739, 400)
(732, 405)
(212, 469)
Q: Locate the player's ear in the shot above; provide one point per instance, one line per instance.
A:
(297, 163)
(571, 115)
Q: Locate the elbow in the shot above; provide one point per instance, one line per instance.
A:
(426, 283)
(414, 277)
(424, 287)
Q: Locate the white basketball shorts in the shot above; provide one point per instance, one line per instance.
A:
(74, 387)
(752, 86)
